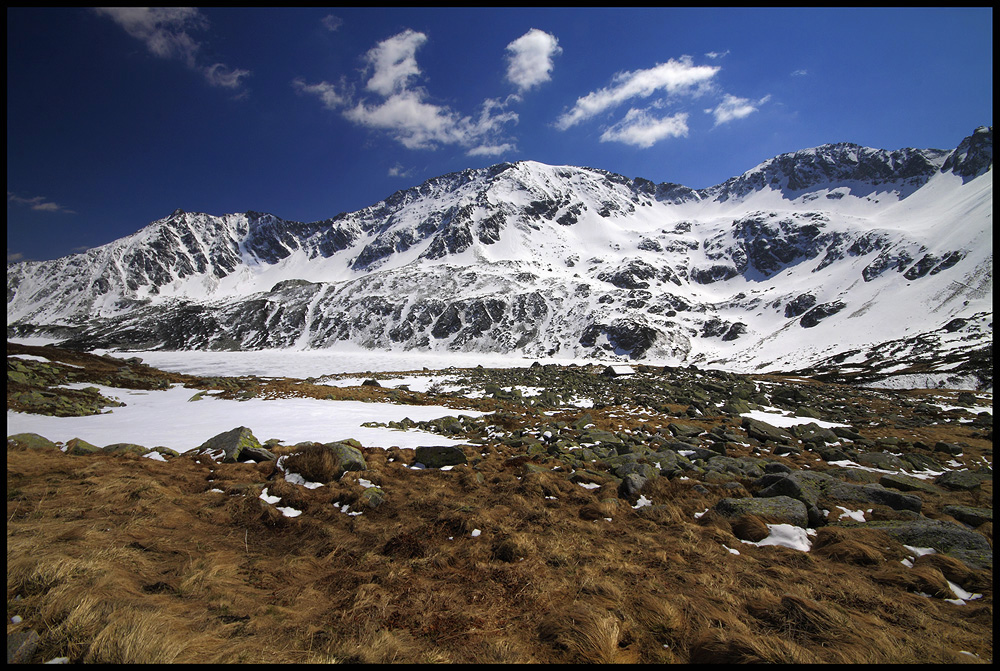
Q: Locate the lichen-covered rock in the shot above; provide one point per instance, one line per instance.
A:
(30, 441)
(946, 537)
(777, 509)
(231, 443)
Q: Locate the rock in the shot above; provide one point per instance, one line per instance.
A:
(21, 646)
(882, 460)
(777, 509)
(813, 433)
(945, 537)
(436, 456)
(231, 443)
(257, 454)
(30, 441)
(763, 431)
(962, 480)
(969, 515)
(631, 485)
(685, 430)
(123, 448)
(372, 497)
(80, 447)
(349, 457)
(906, 483)
(371, 383)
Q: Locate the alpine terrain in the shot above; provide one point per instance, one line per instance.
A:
(848, 261)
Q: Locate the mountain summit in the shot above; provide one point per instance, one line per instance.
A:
(840, 254)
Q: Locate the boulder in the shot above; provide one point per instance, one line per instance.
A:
(763, 431)
(349, 457)
(962, 480)
(436, 456)
(30, 441)
(776, 509)
(946, 537)
(123, 448)
(231, 443)
(969, 515)
(80, 447)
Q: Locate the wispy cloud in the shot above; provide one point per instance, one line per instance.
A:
(14, 257)
(38, 203)
(640, 129)
(399, 171)
(402, 109)
(714, 55)
(164, 31)
(680, 76)
(529, 60)
(733, 107)
(799, 73)
(332, 23)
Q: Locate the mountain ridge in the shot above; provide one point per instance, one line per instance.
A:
(549, 261)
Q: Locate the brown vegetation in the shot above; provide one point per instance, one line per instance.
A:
(123, 559)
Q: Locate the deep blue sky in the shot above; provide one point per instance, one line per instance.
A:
(115, 119)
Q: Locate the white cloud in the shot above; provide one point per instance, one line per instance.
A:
(404, 111)
(717, 54)
(640, 129)
(673, 77)
(530, 59)
(164, 31)
(332, 23)
(332, 96)
(224, 76)
(799, 73)
(732, 108)
(38, 203)
(394, 62)
(491, 150)
(399, 171)
(420, 125)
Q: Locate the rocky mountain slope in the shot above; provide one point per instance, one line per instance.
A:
(815, 259)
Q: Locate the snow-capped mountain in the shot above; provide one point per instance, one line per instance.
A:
(825, 252)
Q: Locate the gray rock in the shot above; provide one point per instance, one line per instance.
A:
(631, 485)
(945, 537)
(882, 460)
(32, 441)
(257, 454)
(962, 480)
(777, 509)
(906, 483)
(231, 442)
(349, 458)
(813, 433)
(436, 456)
(119, 448)
(21, 646)
(969, 515)
(763, 431)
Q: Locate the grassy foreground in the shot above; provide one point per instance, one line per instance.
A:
(121, 559)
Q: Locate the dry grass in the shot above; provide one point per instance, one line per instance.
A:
(123, 560)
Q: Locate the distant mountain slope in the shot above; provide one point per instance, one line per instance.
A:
(813, 253)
